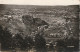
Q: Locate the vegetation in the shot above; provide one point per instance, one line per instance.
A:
(60, 22)
(40, 43)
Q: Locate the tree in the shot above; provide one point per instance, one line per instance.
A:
(61, 43)
(27, 43)
(1, 33)
(5, 38)
(17, 41)
(30, 42)
(40, 43)
(24, 44)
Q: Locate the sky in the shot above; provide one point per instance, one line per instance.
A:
(41, 2)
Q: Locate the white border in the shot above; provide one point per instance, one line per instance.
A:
(41, 2)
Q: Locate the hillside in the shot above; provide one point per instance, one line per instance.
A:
(55, 16)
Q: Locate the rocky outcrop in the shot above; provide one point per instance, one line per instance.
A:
(32, 24)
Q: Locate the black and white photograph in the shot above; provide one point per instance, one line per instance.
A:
(39, 28)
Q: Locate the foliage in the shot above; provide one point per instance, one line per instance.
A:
(5, 38)
(40, 42)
